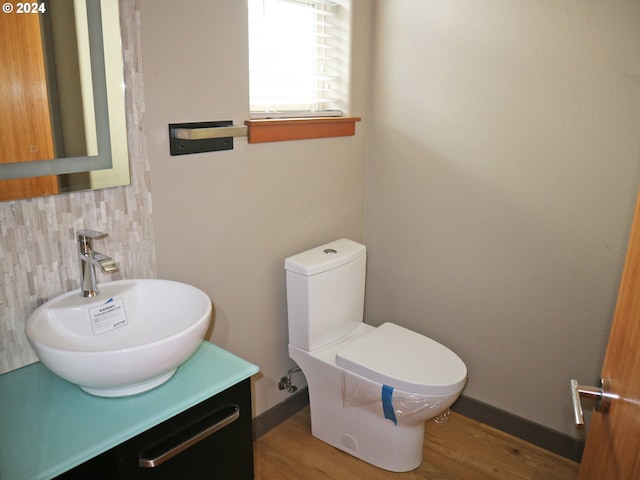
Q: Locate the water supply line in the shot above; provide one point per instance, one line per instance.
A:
(285, 382)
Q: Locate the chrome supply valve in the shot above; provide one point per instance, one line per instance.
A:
(89, 259)
(285, 382)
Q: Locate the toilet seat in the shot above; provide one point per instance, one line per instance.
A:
(400, 358)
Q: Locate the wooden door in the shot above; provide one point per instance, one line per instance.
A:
(24, 104)
(612, 451)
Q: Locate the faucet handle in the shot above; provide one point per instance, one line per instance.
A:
(84, 235)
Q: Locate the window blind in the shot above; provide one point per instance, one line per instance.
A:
(298, 58)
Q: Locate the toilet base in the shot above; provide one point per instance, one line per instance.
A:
(380, 443)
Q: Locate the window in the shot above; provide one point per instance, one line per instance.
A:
(298, 58)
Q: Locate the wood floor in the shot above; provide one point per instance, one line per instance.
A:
(462, 449)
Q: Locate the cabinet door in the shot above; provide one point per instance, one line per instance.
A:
(102, 467)
(209, 441)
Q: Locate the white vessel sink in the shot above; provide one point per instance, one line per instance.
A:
(127, 340)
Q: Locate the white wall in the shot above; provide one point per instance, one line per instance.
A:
(503, 169)
(225, 221)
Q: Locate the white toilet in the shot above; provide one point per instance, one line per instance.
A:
(370, 389)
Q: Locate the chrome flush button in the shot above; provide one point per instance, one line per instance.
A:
(330, 251)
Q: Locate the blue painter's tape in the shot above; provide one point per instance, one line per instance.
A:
(387, 405)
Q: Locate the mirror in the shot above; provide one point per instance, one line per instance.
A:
(62, 106)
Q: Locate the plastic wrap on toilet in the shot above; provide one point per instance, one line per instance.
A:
(358, 391)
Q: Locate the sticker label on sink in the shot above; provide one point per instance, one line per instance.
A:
(108, 316)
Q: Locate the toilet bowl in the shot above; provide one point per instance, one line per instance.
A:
(371, 389)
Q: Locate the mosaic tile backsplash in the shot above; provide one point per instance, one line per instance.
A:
(38, 248)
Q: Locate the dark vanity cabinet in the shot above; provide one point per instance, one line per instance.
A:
(211, 440)
(195, 425)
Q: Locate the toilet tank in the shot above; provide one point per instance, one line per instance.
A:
(325, 293)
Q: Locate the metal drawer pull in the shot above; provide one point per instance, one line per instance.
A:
(182, 446)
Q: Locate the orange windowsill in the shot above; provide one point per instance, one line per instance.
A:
(283, 129)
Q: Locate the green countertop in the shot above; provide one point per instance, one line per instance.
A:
(49, 426)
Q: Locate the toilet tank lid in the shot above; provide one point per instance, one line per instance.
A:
(325, 257)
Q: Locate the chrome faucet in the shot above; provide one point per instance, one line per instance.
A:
(89, 259)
